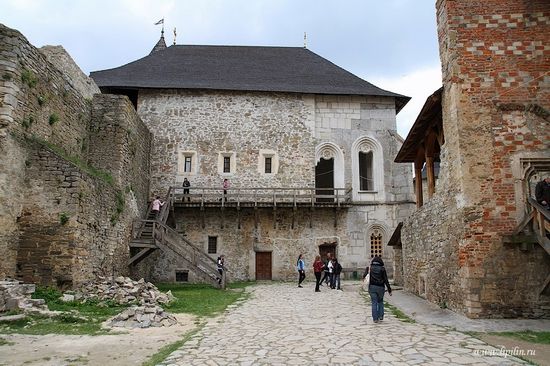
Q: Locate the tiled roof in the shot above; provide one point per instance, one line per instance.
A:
(241, 68)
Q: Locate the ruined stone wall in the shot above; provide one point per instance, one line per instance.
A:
(120, 143)
(495, 59)
(73, 226)
(66, 219)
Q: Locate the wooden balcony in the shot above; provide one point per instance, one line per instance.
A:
(260, 197)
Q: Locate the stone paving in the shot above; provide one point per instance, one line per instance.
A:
(281, 324)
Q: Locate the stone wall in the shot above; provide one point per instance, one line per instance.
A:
(298, 130)
(495, 118)
(72, 181)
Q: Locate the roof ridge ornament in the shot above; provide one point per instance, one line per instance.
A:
(305, 36)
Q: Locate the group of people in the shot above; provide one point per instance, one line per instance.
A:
(332, 269)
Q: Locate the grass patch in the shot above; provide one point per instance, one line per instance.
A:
(164, 352)
(525, 336)
(3, 342)
(201, 299)
(105, 176)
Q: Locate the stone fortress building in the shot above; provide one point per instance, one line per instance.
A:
(268, 118)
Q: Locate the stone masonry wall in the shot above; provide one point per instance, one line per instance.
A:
(495, 59)
(222, 122)
(63, 222)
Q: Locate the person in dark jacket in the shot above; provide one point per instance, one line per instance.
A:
(336, 270)
(378, 278)
(542, 192)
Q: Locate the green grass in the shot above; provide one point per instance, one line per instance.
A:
(203, 300)
(525, 336)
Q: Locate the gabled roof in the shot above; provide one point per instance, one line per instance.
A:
(240, 68)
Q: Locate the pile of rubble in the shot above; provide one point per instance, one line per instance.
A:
(17, 295)
(120, 290)
(145, 316)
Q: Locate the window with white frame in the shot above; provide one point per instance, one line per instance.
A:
(268, 163)
(187, 162)
(367, 163)
(226, 162)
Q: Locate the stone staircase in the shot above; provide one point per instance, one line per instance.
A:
(152, 234)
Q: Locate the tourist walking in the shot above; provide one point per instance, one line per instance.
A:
(317, 269)
(221, 259)
(186, 185)
(336, 270)
(225, 186)
(378, 278)
(157, 204)
(326, 275)
(301, 265)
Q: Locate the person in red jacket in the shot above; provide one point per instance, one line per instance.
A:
(317, 269)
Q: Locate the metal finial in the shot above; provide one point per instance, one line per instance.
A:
(175, 35)
(305, 46)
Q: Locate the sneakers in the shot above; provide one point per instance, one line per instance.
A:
(376, 322)
(317, 290)
(381, 319)
(299, 285)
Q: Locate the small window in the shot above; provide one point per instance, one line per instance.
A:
(212, 244)
(227, 164)
(182, 276)
(268, 165)
(365, 171)
(187, 164)
(375, 245)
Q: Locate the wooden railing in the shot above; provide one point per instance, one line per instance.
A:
(148, 235)
(261, 197)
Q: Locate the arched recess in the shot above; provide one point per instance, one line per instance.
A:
(328, 151)
(373, 150)
(377, 238)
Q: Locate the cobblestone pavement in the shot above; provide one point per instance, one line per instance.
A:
(281, 324)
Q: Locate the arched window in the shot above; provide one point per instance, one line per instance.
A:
(330, 151)
(367, 169)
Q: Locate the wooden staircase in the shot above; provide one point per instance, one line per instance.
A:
(534, 229)
(153, 234)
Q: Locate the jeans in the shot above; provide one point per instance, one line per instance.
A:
(335, 281)
(301, 277)
(377, 297)
(325, 278)
(317, 280)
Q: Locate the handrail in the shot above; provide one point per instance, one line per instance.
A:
(541, 217)
(271, 196)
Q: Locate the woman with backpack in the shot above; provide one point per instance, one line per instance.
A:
(378, 278)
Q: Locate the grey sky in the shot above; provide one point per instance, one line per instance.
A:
(390, 43)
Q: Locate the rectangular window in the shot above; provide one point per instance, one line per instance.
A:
(182, 276)
(227, 164)
(187, 164)
(365, 171)
(268, 165)
(212, 244)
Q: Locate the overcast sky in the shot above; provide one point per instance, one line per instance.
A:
(390, 43)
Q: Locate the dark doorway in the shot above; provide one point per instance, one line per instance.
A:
(263, 266)
(327, 248)
(324, 178)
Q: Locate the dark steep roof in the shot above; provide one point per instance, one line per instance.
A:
(239, 68)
